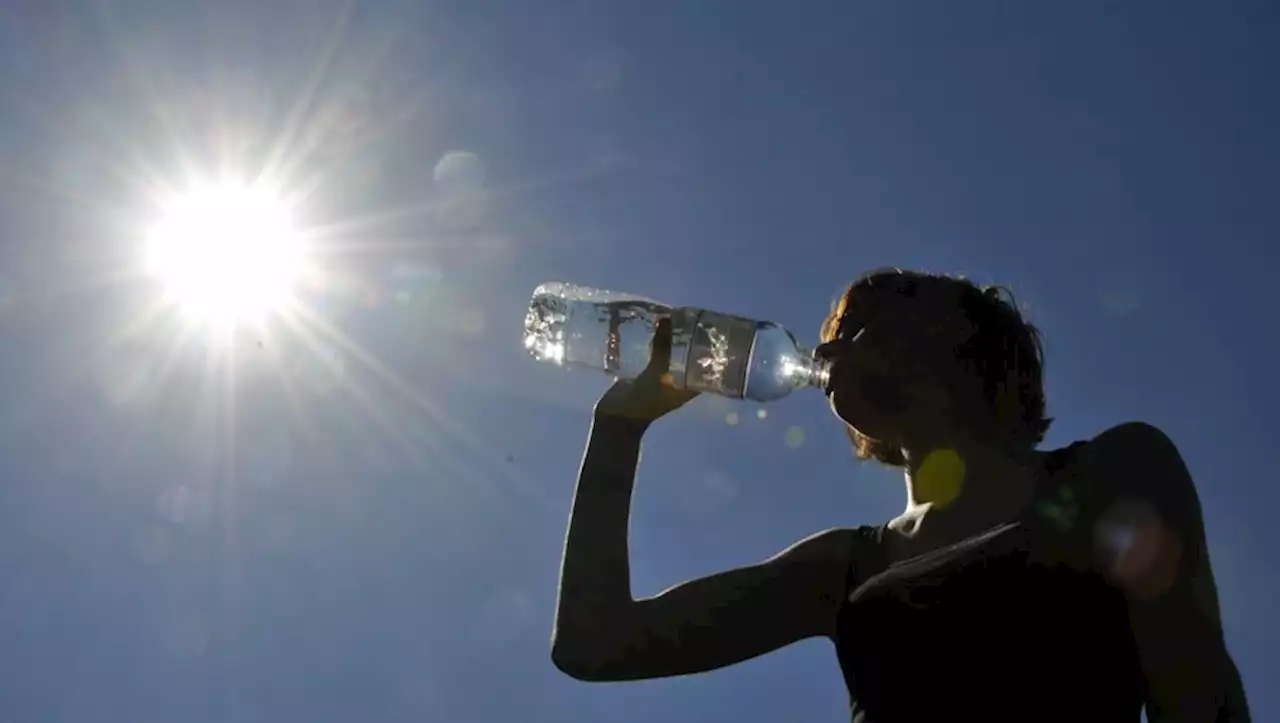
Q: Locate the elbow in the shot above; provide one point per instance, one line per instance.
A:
(597, 646)
(580, 662)
(573, 664)
(593, 653)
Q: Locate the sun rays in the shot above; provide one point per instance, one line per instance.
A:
(261, 231)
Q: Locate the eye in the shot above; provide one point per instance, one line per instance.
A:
(853, 333)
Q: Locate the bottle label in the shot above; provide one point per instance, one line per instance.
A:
(711, 350)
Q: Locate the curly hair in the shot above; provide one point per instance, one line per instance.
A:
(1004, 352)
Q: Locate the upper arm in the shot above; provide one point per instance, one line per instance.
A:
(1153, 531)
(715, 621)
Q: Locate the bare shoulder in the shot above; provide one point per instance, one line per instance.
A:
(823, 564)
(1133, 437)
(1159, 557)
(833, 545)
(1145, 514)
(1138, 459)
(817, 572)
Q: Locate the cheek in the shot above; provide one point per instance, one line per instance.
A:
(869, 404)
(865, 390)
(883, 393)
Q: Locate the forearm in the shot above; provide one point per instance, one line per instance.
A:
(595, 573)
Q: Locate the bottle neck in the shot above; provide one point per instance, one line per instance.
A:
(815, 373)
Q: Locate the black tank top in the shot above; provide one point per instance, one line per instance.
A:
(1010, 625)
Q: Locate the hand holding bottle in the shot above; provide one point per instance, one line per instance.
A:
(650, 395)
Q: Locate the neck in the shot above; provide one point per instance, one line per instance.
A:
(970, 480)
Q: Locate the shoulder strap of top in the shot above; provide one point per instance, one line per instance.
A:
(1062, 503)
(868, 557)
(1057, 459)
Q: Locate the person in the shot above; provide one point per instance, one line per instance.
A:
(1018, 584)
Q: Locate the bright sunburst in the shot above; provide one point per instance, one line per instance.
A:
(226, 252)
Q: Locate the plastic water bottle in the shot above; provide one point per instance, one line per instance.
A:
(578, 326)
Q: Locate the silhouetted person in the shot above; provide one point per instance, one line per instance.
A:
(1018, 585)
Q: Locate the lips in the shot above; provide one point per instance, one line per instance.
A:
(833, 378)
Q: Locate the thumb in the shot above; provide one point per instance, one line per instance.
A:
(660, 350)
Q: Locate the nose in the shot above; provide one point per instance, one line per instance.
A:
(830, 351)
(838, 346)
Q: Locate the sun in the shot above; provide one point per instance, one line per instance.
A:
(226, 252)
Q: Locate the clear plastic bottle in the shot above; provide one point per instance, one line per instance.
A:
(578, 326)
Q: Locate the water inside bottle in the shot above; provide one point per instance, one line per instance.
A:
(710, 352)
(580, 326)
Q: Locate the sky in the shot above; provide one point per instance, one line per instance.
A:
(356, 511)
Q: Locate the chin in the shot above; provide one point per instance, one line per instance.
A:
(846, 419)
(852, 411)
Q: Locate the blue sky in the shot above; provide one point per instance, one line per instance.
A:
(361, 518)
